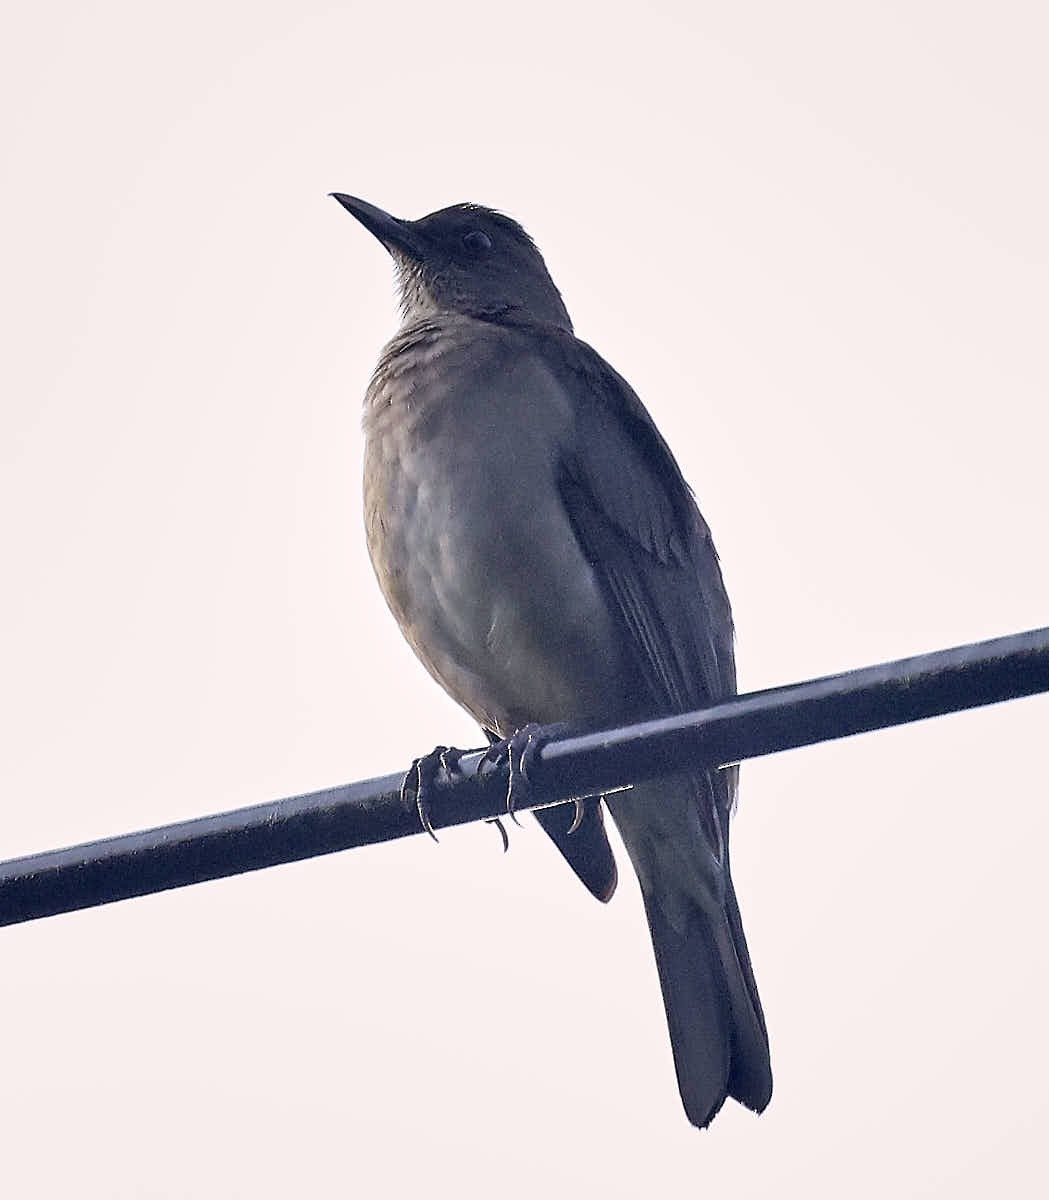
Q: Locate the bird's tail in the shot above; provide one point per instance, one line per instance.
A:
(717, 1028)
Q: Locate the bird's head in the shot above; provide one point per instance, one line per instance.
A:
(465, 259)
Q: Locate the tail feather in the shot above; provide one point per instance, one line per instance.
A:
(717, 1029)
(750, 1081)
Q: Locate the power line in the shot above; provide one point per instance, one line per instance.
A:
(359, 814)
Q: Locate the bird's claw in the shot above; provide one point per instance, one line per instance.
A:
(520, 751)
(419, 780)
(577, 819)
(502, 831)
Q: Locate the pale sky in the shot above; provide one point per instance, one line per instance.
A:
(813, 237)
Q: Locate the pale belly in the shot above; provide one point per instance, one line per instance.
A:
(478, 562)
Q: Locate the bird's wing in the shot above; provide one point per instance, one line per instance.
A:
(640, 528)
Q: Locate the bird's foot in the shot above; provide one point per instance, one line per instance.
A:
(417, 785)
(521, 751)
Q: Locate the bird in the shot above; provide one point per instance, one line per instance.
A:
(544, 557)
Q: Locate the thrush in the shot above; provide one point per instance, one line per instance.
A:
(545, 559)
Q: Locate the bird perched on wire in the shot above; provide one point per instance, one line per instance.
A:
(544, 557)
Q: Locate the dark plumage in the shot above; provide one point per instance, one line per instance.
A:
(536, 541)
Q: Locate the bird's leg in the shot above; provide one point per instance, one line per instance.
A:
(419, 780)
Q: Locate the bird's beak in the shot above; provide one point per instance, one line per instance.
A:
(397, 236)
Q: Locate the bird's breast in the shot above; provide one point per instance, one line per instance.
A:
(467, 531)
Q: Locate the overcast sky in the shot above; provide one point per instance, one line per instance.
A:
(814, 238)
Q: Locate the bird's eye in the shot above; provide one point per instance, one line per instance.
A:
(477, 241)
